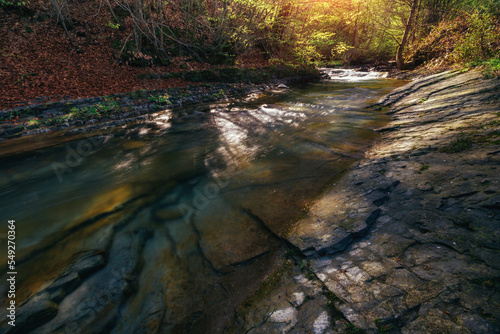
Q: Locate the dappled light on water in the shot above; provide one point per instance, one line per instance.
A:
(189, 196)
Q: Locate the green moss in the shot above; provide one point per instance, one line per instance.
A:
(424, 167)
(351, 329)
(162, 99)
(330, 296)
(490, 67)
(33, 123)
(458, 145)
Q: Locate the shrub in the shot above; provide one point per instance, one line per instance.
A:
(13, 3)
(469, 37)
(481, 39)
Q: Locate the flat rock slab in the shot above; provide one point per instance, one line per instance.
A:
(340, 216)
(408, 240)
(241, 240)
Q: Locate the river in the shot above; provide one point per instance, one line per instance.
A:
(186, 207)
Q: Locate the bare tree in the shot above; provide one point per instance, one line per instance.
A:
(64, 18)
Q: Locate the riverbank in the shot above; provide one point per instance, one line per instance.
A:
(407, 240)
(83, 114)
(87, 114)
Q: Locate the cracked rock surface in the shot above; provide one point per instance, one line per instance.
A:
(408, 240)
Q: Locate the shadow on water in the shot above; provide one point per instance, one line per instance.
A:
(187, 205)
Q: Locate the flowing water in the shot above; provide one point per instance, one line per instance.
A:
(188, 205)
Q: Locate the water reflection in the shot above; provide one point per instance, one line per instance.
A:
(187, 204)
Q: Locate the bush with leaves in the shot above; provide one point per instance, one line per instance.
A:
(13, 3)
(469, 37)
(480, 41)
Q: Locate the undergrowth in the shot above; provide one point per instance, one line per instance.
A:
(490, 67)
(458, 145)
(471, 39)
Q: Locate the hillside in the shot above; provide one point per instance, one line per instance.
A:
(38, 63)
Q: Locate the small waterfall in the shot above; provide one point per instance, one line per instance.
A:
(350, 74)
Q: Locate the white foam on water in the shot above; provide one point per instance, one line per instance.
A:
(351, 75)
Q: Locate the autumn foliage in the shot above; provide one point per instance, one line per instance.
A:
(468, 37)
(57, 49)
(39, 62)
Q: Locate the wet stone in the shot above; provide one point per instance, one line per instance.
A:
(89, 264)
(374, 268)
(297, 299)
(322, 323)
(169, 212)
(287, 317)
(63, 285)
(478, 325)
(35, 312)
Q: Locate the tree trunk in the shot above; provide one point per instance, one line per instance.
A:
(408, 28)
(65, 21)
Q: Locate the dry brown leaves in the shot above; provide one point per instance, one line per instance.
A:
(38, 63)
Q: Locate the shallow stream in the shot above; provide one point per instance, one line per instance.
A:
(188, 206)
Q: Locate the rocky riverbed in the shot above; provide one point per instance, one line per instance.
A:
(166, 224)
(407, 241)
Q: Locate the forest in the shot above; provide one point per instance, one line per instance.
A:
(250, 166)
(103, 37)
